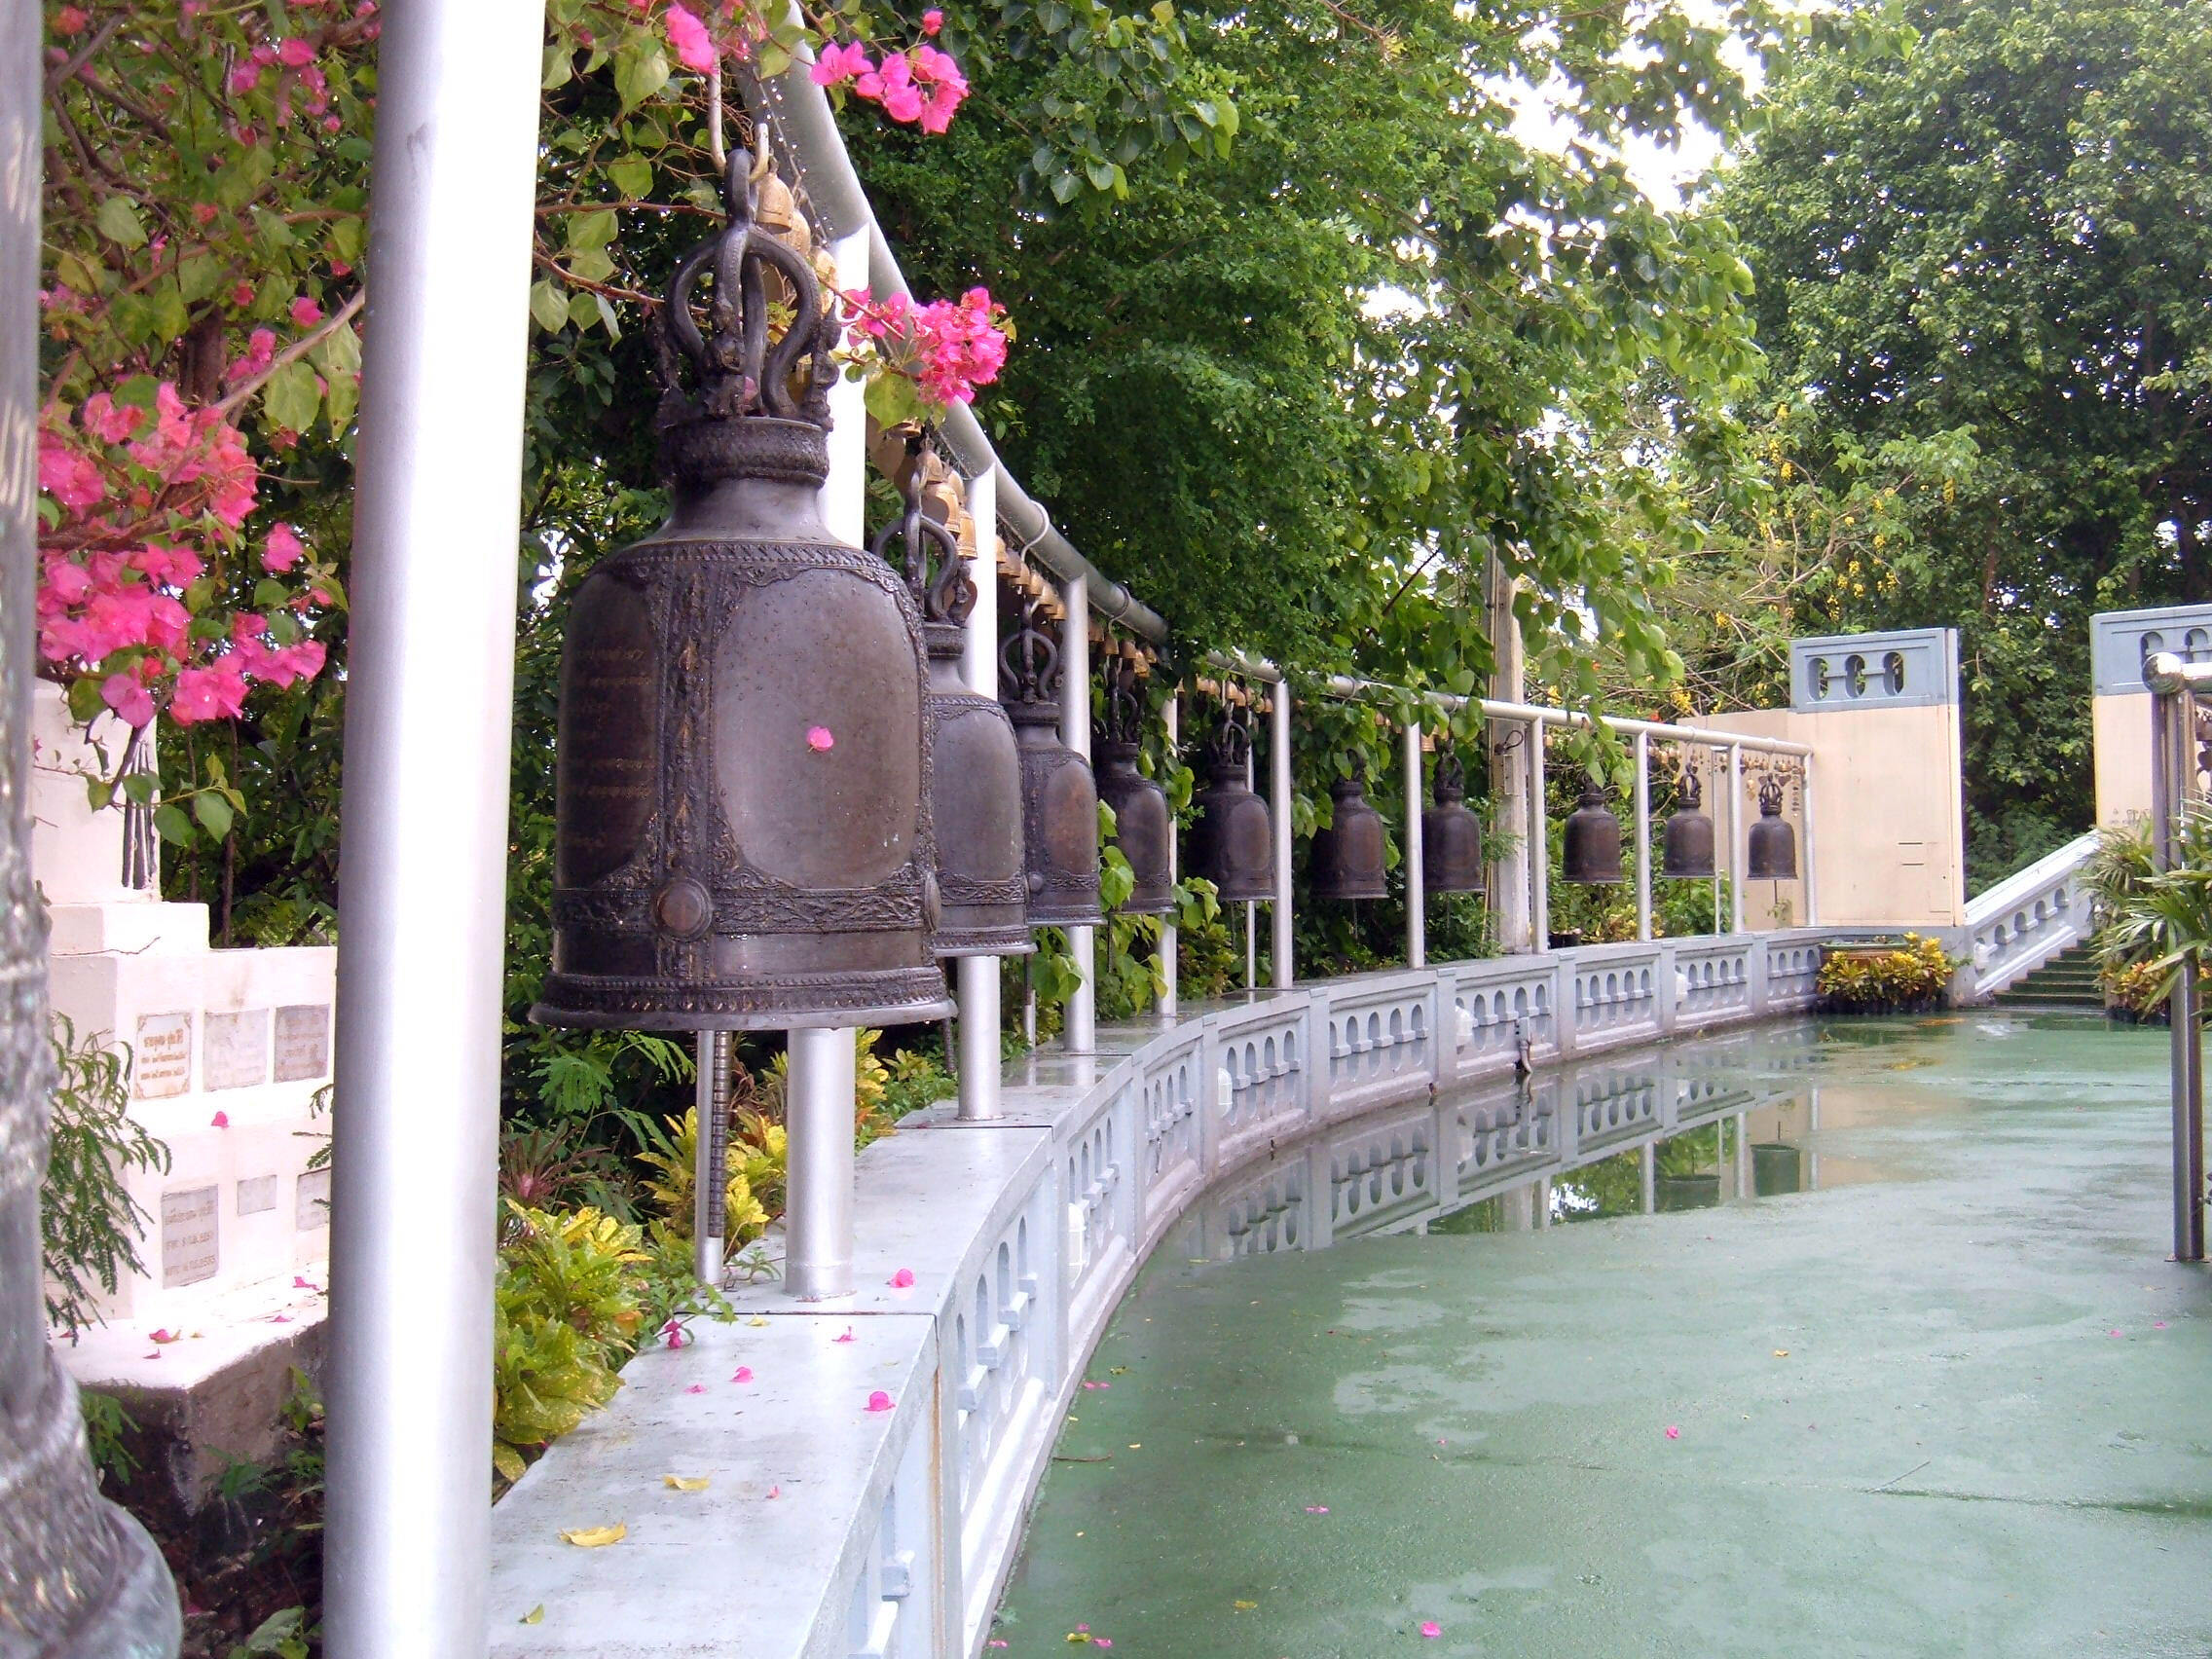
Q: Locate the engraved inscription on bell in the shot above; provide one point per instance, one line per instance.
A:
(816, 713)
(608, 732)
(1070, 817)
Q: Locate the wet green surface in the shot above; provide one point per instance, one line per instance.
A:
(1951, 1402)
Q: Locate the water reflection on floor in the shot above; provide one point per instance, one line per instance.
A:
(1813, 1338)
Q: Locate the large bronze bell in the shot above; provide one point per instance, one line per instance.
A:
(1773, 852)
(1060, 802)
(1348, 855)
(1232, 842)
(742, 789)
(1451, 834)
(1687, 852)
(1591, 850)
(974, 764)
(1144, 829)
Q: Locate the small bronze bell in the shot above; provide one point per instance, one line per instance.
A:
(1773, 852)
(1060, 802)
(1348, 855)
(1687, 851)
(1451, 834)
(1144, 829)
(1233, 843)
(1590, 852)
(974, 764)
(742, 834)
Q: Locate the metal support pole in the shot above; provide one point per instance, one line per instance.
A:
(1812, 864)
(709, 1175)
(817, 1206)
(78, 1579)
(1735, 837)
(1643, 834)
(1278, 809)
(1080, 1035)
(1417, 885)
(422, 875)
(1648, 1177)
(979, 981)
(2173, 764)
(1721, 855)
(1539, 844)
(1169, 941)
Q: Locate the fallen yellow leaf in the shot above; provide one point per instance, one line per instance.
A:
(591, 1537)
(1244, 1606)
(685, 1482)
(1781, 1353)
(756, 1320)
(535, 1615)
(1136, 1446)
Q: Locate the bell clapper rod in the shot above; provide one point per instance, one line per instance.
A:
(1080, 1034)
(1540, 843)
(818, 1123)
(1644, 836)
(979, 980)
(710, 1097)
(1416, 888)
(1279, 808)
(422, 875)
(1168, 938)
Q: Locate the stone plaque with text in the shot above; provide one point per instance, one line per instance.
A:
(161, 1056)
(190, 1247)
(257, 1193)
(312, 1201)
(303, 1042)
(235, 1052)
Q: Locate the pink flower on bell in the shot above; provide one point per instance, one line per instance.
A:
(820, 739)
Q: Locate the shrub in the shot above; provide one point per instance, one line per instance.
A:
(568, 1312)
(88, 1223)
(1911, 979)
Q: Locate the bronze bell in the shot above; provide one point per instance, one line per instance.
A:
(1144, 829)
(1348, 855)
(1060, 802)
(1591, 850)
(1451, 834)
(1773, 852)
(1232, 840)
(742, 831)
(1686, 853)
(976, 766)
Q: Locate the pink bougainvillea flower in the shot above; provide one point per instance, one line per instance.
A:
(1316, 1509)
(163, 1335)
(1430, 1629)
(743, 1374)
(903, 1279)
(880, 1401)
(675, 1335)
(843, 1336)
(243, 294)
(127, 698)
(299, 1283)
(694, 48)
(2157, 1324)
(220, 1120)
(110, 421)
(1674, 1433)
(820, 739)
(260, 352)
(69, 21)
(696, 1388)
(775, 1492)
(841, 62)
(209, 693)
(283, 550)
(932, 21)
(306, 312)
(295, 52)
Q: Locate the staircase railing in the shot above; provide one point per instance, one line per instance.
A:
(2028, 918)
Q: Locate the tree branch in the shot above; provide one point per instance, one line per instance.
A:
(293, 352)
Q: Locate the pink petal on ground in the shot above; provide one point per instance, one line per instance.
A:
(743, 1374)
(1431, 1629)
(1316, 1509)
(820, 739)
(845, 1337)
(696, 1388)
(1101, 1641)
(299, 1283)
(2157, 1324)
(280, 1319)
(994, 1642)
(2114, 1332)
(1674, 1433)
(880, 1401)
(222, 1120)
(163, 1335)
(775, 1492)
(903, 1279)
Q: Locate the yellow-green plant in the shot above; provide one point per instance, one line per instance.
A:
(566, 1312)
(754, 1163)
(1916, 974)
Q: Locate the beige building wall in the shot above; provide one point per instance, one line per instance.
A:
(2120, 708)
(2120, 725)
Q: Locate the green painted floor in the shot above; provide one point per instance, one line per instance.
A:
(1953, 1402)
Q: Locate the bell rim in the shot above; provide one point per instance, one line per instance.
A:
(588, 1002)
(1010, 938)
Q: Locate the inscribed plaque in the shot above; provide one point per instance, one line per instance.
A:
(303, 1042)
(190, 1248)
(161, 1059)
(257, 1195)
(235, 1050)
(312, 1201)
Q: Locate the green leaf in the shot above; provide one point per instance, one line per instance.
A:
(559, 68)
(338, 354)
(640, 73)
(139, 788)
(98, 792)
(547, 306)
(213, 813)
(197, 278)
(172, 824)
(632, 175)
(291, 400)
(118, 221)
(83, 697)
(583, 309)
(606, 318)
(595, 227)
(166, 310)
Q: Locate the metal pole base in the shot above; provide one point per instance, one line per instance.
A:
(819, 1104)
